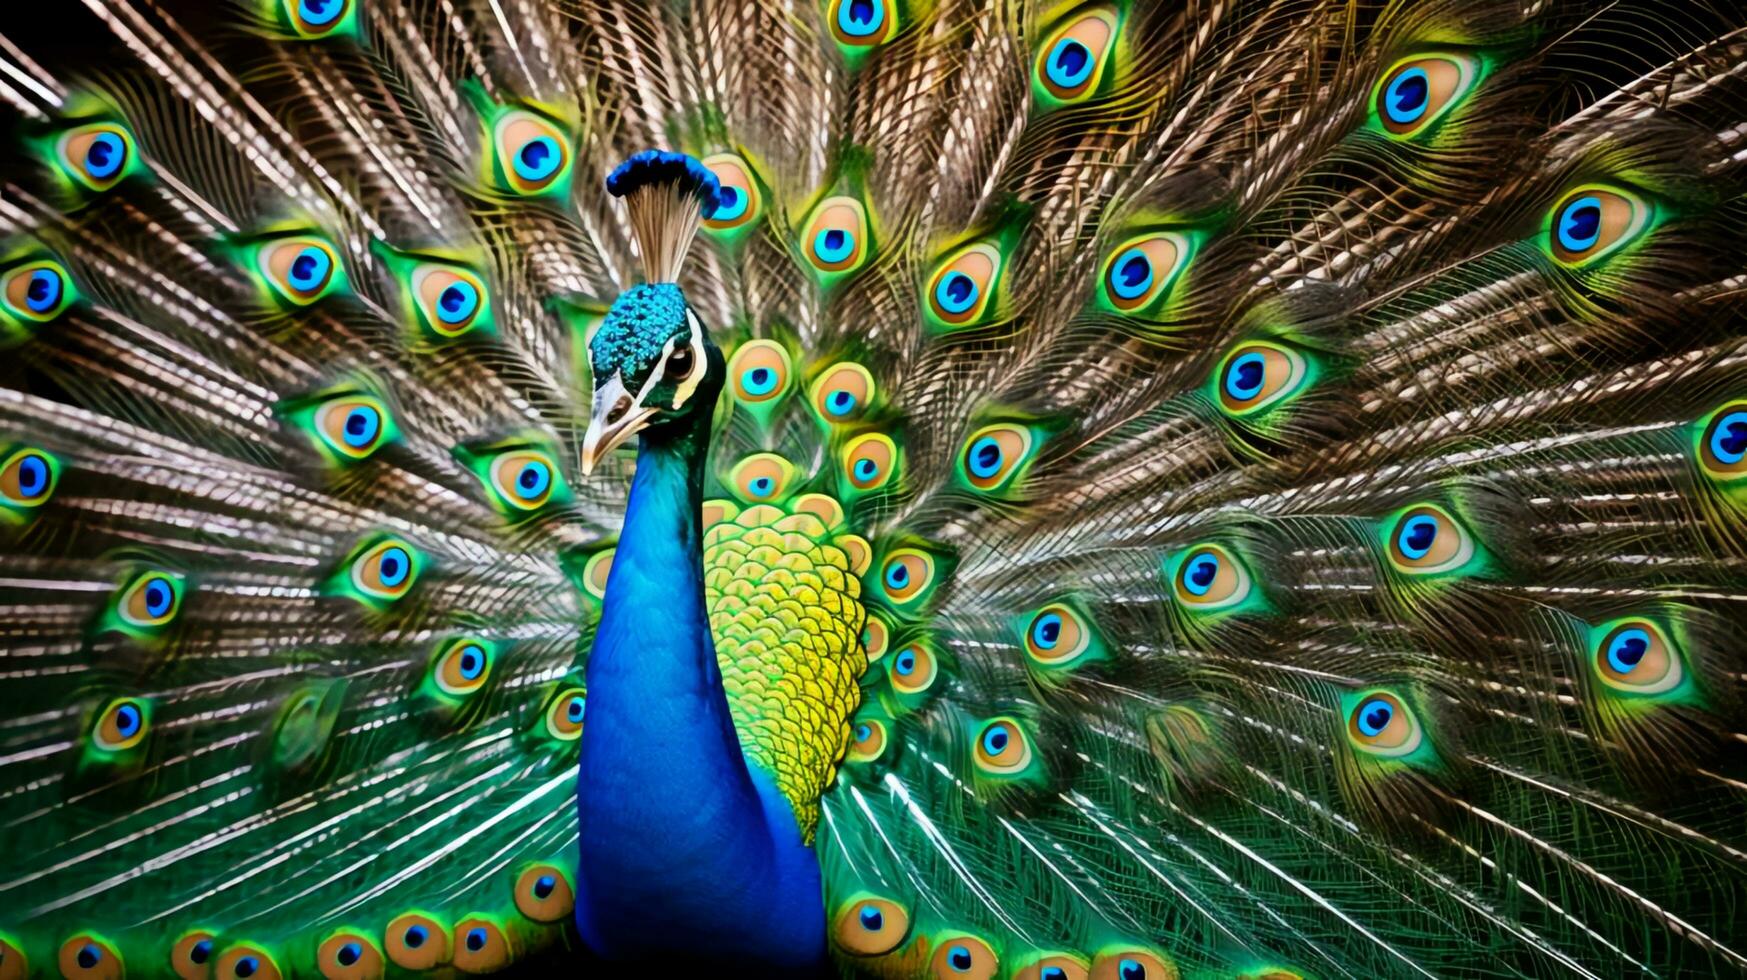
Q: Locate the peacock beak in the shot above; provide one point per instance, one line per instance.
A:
(616, 418)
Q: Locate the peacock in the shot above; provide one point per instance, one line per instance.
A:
(1091, 490)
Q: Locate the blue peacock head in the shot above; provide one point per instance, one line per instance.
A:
(654, 365)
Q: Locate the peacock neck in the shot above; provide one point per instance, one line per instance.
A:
(680, 840)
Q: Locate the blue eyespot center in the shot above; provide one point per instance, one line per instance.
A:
(1627, 650)
(1131, 970)
(762, 486)
(897, 575)
(309, 269)
(860, 18)
(89, 956)
(905, 665)
(1047, 631)
(362, 424)
(544, 886)
(105, 156)
(1408, 96)
(731, 203)
(533, 479)
(43, 293)
(866, 469)
(1417, 535)
(1053, 973)
(985, 457)
(476, 938)
(573, 710)
(995, 740)
(758, 381)
(1580, 224)
(472, 663)
(1729, 438)
(539, 158)
(247, 966)
(956, 292)
(871, 919)
(200, 951)
(1243, 379)
(128, 720)
(349, 954)
(1198, 576)
(841, 402)
(959, 958)
(416, 936)
(1374, 716)
(394, 566)
(1131, 274)
(863, 732)
(158, 597)
(457, 302)
(1070, 63)
(833, 245)
(33, 476)
(319, 13)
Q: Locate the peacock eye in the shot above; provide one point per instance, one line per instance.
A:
(906, 574)
(416, 941)
(1634, 656)
(544, 894)
(450, 299)
(88, 957)
(738, 202)
(564, 714)
(1131, 964)
(1209, 577)
(462, 666)
(1075, 56)
(386, 571)
(961, 289)
(191, 954)
(869, 461)
(994, 455)
(524, 479)
(1722, 446)
(349, 955)
(1382, 725)
(875, 635)
(98, 155)
(912, 670)
(1418, 91)
(761, 477)
(150, 601)
(37, 291)
(867, 925)
(760, 371)
(1056, 635)
(868, 740)
(1139, 272)
(533, 155)
(480, 946)
(1256, 375)
(27, 478)
(860, 23)
(1002, 747)
(121, 725)
(842, 392)
(835, 242)
(317, 18)
(300, 269)
(1425, 540)
(246, 962)
(352, 426)
(1054, 967)
(1592, 222)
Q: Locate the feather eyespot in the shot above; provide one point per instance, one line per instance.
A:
(963, 286)
(868, 925)
(1381, 724)
(760, 372)
(836, 241)
(761, 477)
(596, 571)
(913, 669)
(524, 479)
(149, 602)
(1256, 375)
(543, 893)
(738, 200)
(1054, 966)
(481, 945)
(1002, 748)
(1131, 964)
(1416, 92)
(861, 23)
(906, 574)
(317, 18)
(870, 461)
(1140, 272)
(1592, 222)
(867, 740)
(122, 724)
(37, 291)
(532, 154)
(416, 941)
(191, 956)
(27, 479)
(1056, 635)
(97, 155)
(352, 426)
(1426, 541)
(462, 666)
(1635, 656)
(300, 269)
(1074, 58)
(994, 455)
(89, 957)
(963, 956)
(875, 635)
(564, 714)
(246, 962)
(450, 300)
(844, 390)
(349, 955)
(1722, 442)
(1209, 577)
(385, 571)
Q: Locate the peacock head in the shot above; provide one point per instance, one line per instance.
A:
(655, 370)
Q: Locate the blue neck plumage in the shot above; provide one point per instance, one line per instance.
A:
(681, 842)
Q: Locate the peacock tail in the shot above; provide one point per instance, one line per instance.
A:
(1241, 488)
